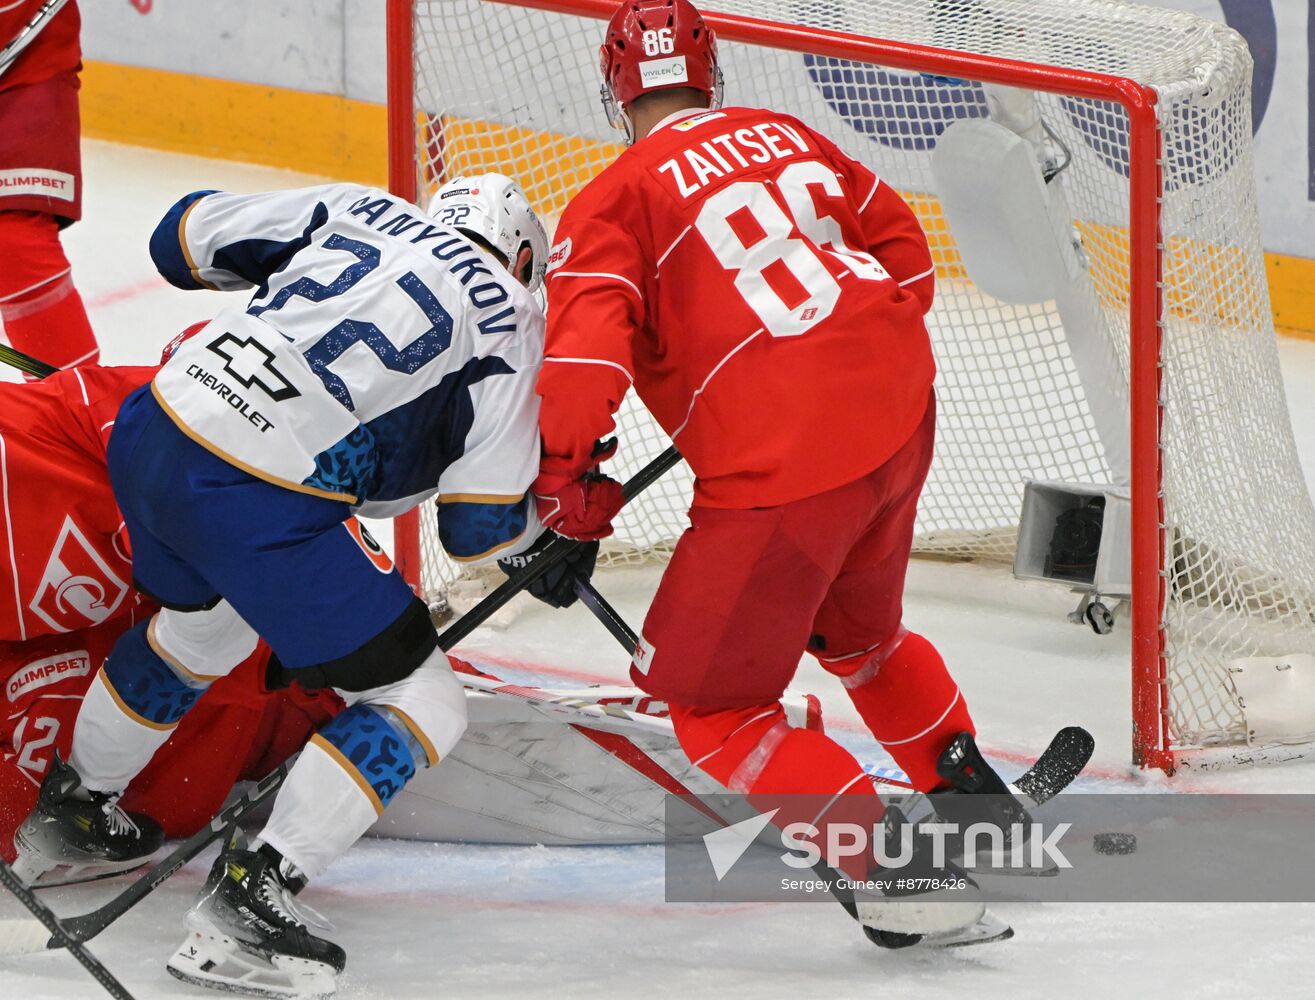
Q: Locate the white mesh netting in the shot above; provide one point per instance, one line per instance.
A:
(500, 87)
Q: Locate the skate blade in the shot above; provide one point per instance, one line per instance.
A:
(989, 928)
(214, 960)
(38, 870)
(77, 874)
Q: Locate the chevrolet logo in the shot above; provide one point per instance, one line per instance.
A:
(251, 364)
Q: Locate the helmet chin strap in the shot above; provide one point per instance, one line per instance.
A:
(617, 116)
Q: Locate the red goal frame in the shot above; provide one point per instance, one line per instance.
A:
(1150, 720)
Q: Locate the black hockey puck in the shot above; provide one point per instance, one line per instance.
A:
(1114, 843)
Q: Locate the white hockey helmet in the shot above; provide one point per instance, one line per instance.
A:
(494, 209)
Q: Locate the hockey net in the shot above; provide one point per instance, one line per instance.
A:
(1149, 113)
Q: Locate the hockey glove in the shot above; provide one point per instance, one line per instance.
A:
(557, 586)
(581, 508)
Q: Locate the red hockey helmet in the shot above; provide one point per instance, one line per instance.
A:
(656, 45)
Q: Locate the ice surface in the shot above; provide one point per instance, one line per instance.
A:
(422, 920)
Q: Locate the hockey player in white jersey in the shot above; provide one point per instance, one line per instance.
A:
(387, 356)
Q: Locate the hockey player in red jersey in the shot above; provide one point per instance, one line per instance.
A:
(41, 182)
(764, 293)
(66, 596)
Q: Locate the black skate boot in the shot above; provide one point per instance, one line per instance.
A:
(978, 795)
(246, 934)
(76, 835)
(920, 902)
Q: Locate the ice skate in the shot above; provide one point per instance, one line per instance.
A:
(246, 934)
(75, 835)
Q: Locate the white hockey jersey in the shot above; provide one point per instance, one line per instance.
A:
(383, 358)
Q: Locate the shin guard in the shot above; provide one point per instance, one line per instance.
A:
(801, 774)
(911, 704)
(350, 770)
(129, 712)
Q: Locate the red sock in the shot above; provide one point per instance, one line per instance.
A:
(802, 774)
(41, 313)
(911, 704)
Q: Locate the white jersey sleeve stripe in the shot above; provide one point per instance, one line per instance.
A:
(592, 361)
(918, 277)
(674, 243)
(876, 183)
(699, 391)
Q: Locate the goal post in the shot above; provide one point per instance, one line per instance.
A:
(1151, 108)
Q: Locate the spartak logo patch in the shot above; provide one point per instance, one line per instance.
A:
(78, 589)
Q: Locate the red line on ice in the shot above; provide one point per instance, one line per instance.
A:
(125, 293)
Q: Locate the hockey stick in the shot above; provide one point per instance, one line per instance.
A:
(607, 616)
(552, 554)
(22, 937)
(18, 938)
(28, 33)
(51, 923)
(25, 363)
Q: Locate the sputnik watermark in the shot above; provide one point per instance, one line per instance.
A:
(1167, 848)
(1029, 845)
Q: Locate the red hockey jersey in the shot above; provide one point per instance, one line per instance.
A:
(55, 50)
(764, 293)
(64, 564)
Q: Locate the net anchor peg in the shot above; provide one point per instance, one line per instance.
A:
(1092, 610)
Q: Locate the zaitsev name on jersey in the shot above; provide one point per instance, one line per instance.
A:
(695, 167)
(382, 359)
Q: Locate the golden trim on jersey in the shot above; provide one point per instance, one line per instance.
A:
(187, 251)
(173, 661)
(484, 555)
(239, 464)
(160, 727)
(492, 498)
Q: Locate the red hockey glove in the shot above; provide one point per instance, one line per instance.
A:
(178, 341)
(582, 509)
